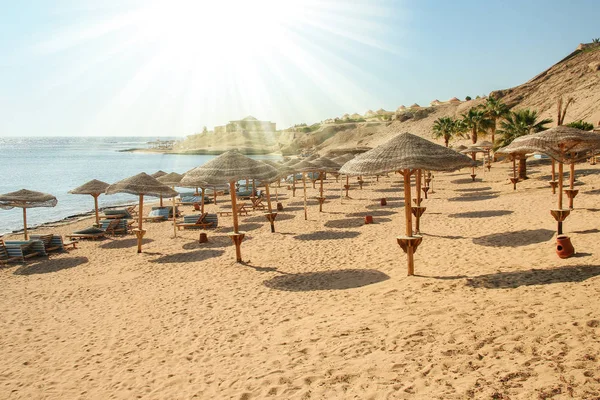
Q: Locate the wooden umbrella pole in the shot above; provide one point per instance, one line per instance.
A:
(233, 206)
(202, 200)
(161, 201)
(174, 214)
(418, 187)
(95, 195)
(247, 183)
(271, 220)
(347, 185)
(571, 182)
(294, 184)
(304, 186)
(408, 215)
(253, 189)
(236, 237)
(214, 195)
(321, 194)
(25, 222)
(140, 233)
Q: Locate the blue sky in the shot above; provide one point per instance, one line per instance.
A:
(168, 68)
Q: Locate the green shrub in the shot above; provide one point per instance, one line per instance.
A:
(584, 126)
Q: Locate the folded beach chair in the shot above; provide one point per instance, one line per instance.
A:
(257, 203)
(201, 221)
(25, 249)
(240, 209)
(5, 258)
(132, 210)
(118, 213)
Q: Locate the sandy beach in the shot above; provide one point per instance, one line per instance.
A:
(323, 308)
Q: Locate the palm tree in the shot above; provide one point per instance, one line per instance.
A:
(495, 110)
(476, 120)
(520, 123)
(444, 127)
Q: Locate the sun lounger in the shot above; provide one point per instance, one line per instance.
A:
(244, 194)
(5, 257)
(190, 198)
(199, 221)
(88, 233)
(51, 242)
(132, 210)
(25, 249)
(115, 226)
(119, 213)
(158, 214)
(240, 209)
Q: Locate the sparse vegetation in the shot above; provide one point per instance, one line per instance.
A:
(596, 40)
(476, 121)
(584, 126)
(468, 98)
(517, 124)
(446, 128)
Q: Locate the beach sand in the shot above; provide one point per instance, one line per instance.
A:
(323, 308)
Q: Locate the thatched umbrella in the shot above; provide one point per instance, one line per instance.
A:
(230, 167)
(487, 146)
(172, 180)
(283, 172)
(304, 167)
(140, 185)
(565, 145)
(26, 199)
(406, 153)
(94, 188)
(343, 159)
(324, 165)
(157, 175)
(473, 150)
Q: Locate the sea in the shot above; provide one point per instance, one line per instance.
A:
(56, 165)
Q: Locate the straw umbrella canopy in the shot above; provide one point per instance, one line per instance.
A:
(172, 179)
(157, 175)
(141, 185)
(94, 188)
(283, 170)
(324, 165)
(406, 153)
(304, 166)
(565, 145)
(26, 199)
(343, 159)
(230, 167)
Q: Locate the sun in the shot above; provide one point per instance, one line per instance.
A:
(192, 63)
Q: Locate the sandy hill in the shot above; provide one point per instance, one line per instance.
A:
(577, 76)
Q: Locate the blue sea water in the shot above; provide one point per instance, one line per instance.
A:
(56, 165)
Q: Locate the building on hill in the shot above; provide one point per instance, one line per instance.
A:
(454, 100)
(248, 124)
(436, 102)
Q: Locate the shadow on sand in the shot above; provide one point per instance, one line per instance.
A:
(481, 197)
(326, 280)
(192, 256)
(511, 280)
(515, 239)
(262, 218)
(327, 235)
(46, 266)
(352, 222)
(481, 214)
(473, 189)
(375, 213)
(214, 242)
(123, 243)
